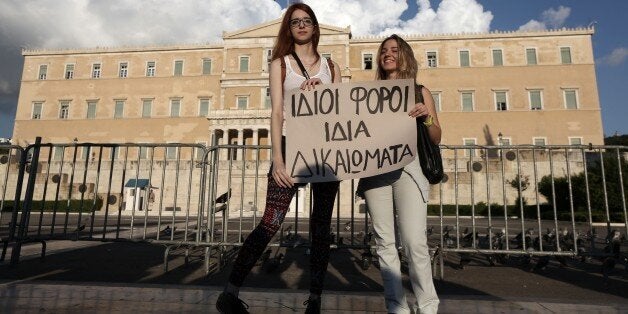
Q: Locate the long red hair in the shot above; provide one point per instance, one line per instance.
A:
(285, 42)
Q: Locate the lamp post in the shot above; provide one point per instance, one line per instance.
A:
(500, 137)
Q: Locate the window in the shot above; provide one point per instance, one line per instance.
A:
(143, 152)
(497, 57)
(531, 56)
(242, 102)
(43, 71)
(203, 107)
(536, 102)
(432, 61)
(500, 101)
(244, 63)
(538, 141)
(96, 70)
(467, 101)
(367, 61)
(207, 66)
(69, 71)
(171, 152)
(150, 68)
(571, 99)
(175, 107)
(118, 111)
(57, 153)
(469, 142)
(464, 58)
(113, 152)
(575, 141)
(64, 109)
(504, 141)
(268, 56)
(85, 152)
(91, 109)
(200, 153)
(267, 102)
(37, 106)
(565, 55)
(147, 108)
(436, 96)
(124, 69)
(178, 68)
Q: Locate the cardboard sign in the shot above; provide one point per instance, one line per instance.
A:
(349, 130)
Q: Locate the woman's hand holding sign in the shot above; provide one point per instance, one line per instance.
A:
(309, 84)
(419, 110)
(279, 174)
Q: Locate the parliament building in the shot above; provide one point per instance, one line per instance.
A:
(515, 87)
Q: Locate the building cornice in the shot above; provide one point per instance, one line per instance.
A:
(479, 35)
(356, 39)
(121, 49)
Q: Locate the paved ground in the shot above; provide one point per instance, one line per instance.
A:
(125, 277)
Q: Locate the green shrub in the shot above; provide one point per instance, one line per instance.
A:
(62, 206)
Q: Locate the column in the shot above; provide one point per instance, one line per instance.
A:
(238, 153)
(225, 141)
(256, 154)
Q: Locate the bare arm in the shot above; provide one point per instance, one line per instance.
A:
(337, 75)
(276, 124)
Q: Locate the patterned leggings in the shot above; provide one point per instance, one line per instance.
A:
(277, 203)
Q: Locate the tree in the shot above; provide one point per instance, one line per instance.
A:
(520, 183)
(596, 183)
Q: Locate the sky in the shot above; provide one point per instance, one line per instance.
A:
(59, 24)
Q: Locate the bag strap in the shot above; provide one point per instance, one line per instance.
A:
(294, 55)
(418, 97)
(330, 63)
(418, 93)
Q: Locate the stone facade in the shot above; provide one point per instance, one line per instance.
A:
(510, 88)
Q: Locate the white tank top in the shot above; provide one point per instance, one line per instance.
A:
(294, 80)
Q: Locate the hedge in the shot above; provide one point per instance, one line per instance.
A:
(62, 205)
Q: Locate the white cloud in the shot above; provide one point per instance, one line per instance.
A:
(383, 17)
(5, 87)
(364, 16)
(616, 57)
(89, 23)
(556, 17)
(550, 18)
(451, 16)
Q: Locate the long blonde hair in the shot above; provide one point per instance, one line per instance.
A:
(407, 66)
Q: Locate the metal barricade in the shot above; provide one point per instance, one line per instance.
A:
(10, 189)
(237, 192)
(113, 192)
(518, 202)
(497, 203)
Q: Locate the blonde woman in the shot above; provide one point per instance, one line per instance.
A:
(406, 192)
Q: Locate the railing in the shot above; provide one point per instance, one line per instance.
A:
(496, 202)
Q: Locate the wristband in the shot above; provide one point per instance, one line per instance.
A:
(428, 121)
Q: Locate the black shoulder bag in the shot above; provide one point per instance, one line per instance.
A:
(428, 152)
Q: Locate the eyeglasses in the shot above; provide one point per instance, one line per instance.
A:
(307, 22)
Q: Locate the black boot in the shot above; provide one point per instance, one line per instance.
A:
(313, 306)
(228, 303)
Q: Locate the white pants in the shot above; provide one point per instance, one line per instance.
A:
(405, 190)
